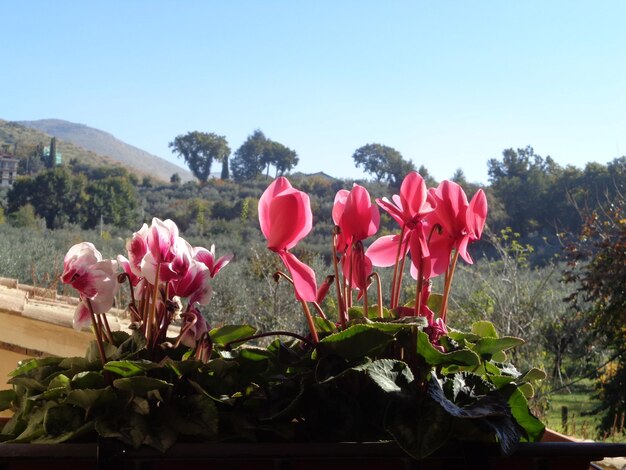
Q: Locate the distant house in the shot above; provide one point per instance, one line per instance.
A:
(8, 168)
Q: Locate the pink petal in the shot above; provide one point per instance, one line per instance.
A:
(290, 218)
(360, 219)
(394, 210)
(82, 317)
(78, 260)
(413, 194)
(137, 248)
(383, 252)
(303, 277)
(223, 261)
(204, 256)
(477, 214)
(161, 239)
(275, 188)
(339, 205)
(440, 248)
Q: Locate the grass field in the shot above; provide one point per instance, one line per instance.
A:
(582, 421)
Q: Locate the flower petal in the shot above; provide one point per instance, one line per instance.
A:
(302, 275)
(383, 252)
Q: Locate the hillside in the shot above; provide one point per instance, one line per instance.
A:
(103, 143)
(16, 135)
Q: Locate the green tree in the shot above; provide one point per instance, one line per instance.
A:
(175, 179)
(597, 261)
(199, 149)
(53, 153)
(250, 159)
(225, 175)
(282, 157)
(525, 184)
(384, 163)
(259, 153)
(113, 200)
(25, 217)
(56, 195)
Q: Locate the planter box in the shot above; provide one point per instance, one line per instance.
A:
(111, 455)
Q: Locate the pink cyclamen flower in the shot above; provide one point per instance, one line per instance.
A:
(208, 258)
(357, 219)
(285, 217)
(164, 250)
(94, 278)
(409, 209)
(413, 203)
(454, 223)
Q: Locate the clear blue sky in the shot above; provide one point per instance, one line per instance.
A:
(447, 83)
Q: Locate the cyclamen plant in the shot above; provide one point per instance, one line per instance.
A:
(436, 227)
(371, 370)
(162, 269)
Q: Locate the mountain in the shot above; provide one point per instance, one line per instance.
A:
(103, 143)
(23, 140)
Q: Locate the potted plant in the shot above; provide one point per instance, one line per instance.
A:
(388, 373)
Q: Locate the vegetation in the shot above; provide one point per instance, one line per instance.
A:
(258, 153)
(536, 208)
(383, 163)
(199, 150)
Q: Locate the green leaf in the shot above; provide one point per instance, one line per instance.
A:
(322, 325)
(30, 364)
(7, 397)
(66, 436)
(500, 380)
(59, 381)
(419, 425)
(89, 398)
(435, 301)
(119, 337)
(62, 419)
(50, 394)
(490, 410)
(527, 389)
(197, 417)
(355, 342)
(88, 380)
(27, 382)
(484, 329)
(131, 428)
(434, 357)
(93, 353)
(490, 346)
(231, 333)
(461, 336)
(130, 368)
(355, 312)
(141, 406)
(519, 408)
(140, 385)
(533, 375)
(136, 342)
(388, 374)
(181, 368)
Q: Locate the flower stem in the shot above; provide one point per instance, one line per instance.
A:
(151, 324)
(311, 323)
(341, 306)
(393, 302)
(98, 332)
(419, 287)
(401, 272)
(379, 292)
(448, 284)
